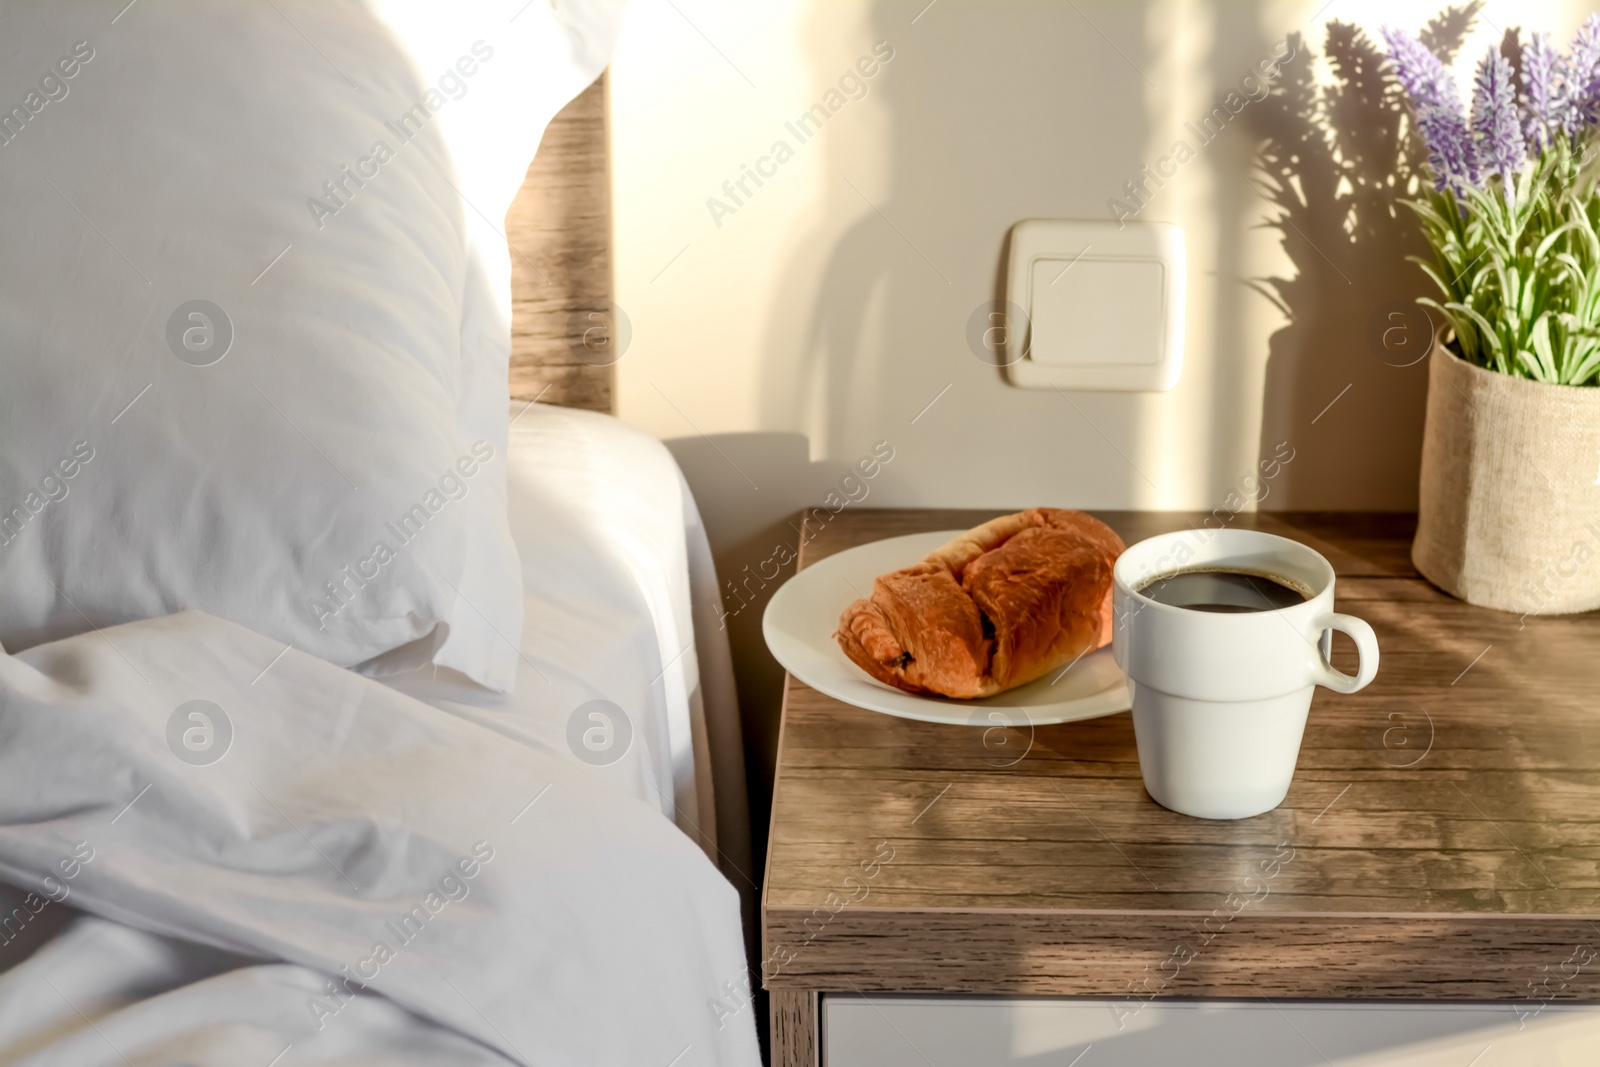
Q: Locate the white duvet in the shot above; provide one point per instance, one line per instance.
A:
(361, 879)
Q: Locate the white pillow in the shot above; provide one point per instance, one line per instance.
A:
(254, 316)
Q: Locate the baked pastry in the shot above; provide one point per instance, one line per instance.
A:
(996, 607)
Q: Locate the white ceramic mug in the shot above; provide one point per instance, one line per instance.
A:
(1219, 698)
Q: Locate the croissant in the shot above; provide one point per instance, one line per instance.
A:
(995, 608)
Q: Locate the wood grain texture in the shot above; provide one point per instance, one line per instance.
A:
(795, 1030)
(1441, 838)
(559, 229)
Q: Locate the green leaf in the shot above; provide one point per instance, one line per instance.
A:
(1542, 359)
(1493, 343)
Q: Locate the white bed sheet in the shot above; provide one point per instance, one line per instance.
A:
(486, 899)
(170, 959)
(614, 562)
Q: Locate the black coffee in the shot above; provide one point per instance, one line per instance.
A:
(1223, 590)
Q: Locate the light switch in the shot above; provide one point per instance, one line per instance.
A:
(1103, 305)
(1096, 312)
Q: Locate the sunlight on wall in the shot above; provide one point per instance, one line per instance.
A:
(830, 296)
(1182, 443)
(698, 285)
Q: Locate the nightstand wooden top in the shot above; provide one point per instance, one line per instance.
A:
(1441, 836)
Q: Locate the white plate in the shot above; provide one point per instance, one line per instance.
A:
(802, 616)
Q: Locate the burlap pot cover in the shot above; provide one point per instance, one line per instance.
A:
(1509, 509)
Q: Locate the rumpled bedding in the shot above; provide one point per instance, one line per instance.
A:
(360, 878)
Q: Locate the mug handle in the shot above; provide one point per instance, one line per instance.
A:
(1366, 646)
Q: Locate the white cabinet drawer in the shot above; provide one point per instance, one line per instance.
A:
(921, 1031)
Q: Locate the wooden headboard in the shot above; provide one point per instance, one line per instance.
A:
(559, 229)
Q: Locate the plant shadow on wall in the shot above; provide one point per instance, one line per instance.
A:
(1348, 372)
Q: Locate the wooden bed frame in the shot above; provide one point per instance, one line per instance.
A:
(559, 229)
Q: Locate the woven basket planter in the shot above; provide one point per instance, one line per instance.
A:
(1508, 515)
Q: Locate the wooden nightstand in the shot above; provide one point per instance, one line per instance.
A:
(1439, 841)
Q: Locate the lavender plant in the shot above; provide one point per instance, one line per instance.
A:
(1513, 216)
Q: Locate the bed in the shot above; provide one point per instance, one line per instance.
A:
(449, 817)
(609, 618)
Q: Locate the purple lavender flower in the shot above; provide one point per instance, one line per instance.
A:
(1451, 153)
(1540, 91)
(1496, 131)
(1419, 70)
(1437, 107)
(1580, 79)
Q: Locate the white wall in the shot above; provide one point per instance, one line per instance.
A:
(834, 302)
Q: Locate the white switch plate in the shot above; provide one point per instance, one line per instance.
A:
(1103, 305)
